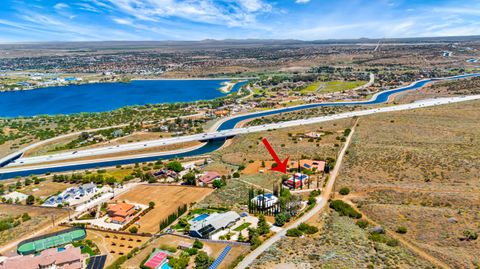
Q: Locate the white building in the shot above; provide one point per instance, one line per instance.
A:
(205, 227)
(268, 199)
(15, 196)
(72, 194)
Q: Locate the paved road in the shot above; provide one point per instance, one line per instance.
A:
(321, 203)
(222, 134)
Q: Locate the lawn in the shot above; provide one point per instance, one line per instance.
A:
(242, 227)
(332, 86)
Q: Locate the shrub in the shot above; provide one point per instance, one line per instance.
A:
(280, 219)
(344, 191)
(402, 230)
(362, 223)
(393, 243)
(344, 209)
(133, 230)
(307, 229)
(197, 244)
(236, 175)
(294, 232)
(470, 235)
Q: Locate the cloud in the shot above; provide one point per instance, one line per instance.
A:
(60, 6)
(122, 21)
(302, 1)
(240, 13)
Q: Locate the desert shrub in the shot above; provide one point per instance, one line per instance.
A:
(344, 209)
(307, 229)
(294, 232)
(470, 235)
(344, 191)
(392, 242)
(402, 230)
(362, 223)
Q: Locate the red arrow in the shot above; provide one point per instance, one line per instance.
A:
(281, 166)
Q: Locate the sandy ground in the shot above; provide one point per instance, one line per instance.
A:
(167, 199)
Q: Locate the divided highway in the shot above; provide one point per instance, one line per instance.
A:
(71, 156)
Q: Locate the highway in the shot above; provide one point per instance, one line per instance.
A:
(95, 152)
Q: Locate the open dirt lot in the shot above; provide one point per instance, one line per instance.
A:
(419, 169)
(167, 199)
(41, 217)
(115, 245)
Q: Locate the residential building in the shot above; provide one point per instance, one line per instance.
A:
(15, 196)
(209, 177)
(53, 258)
(297, 180)
(215, 222)
(72, 194)
(265, 200)
(121, 212)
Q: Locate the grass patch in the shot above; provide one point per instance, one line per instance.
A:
(242, 227)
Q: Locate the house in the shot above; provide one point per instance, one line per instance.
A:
(297, 180)
(15, 196)
(72, 194)
(209, 177)
(213, 223)
(68, 258)
(157, 260)
(313, 135)
(318, 166)
(267, 200)
(121, 212)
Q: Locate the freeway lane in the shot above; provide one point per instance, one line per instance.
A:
(225, 129)
(12, 170)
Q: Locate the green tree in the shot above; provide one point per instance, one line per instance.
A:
(197, 244)
(151, 204)
(202, 260)
(133, 230)
(189, 179)
(30, 200)
(262, 226)
(236, 175)
(217, 184)
(281, 219)
(175, 166)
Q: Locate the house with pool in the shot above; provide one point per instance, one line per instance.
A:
(205, 225)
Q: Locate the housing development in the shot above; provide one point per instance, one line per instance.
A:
(227, 152)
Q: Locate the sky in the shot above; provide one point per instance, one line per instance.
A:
(108, 20)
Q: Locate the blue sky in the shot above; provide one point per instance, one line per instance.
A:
(94, 20)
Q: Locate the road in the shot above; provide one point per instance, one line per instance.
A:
(53, 139)
(94, 152)
(321, 204)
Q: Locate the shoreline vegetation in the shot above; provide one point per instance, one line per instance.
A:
(128, 80)
(227, 86)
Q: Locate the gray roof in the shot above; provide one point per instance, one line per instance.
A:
(217, 220)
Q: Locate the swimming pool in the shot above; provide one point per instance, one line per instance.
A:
(201, 217)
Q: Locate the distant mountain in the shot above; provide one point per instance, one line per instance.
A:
(212, 43)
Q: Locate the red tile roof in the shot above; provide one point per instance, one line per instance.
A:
(209, 177)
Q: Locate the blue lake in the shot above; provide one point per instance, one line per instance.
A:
(101, 97)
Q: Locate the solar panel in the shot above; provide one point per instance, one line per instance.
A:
(220, 258)
(97, 262)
